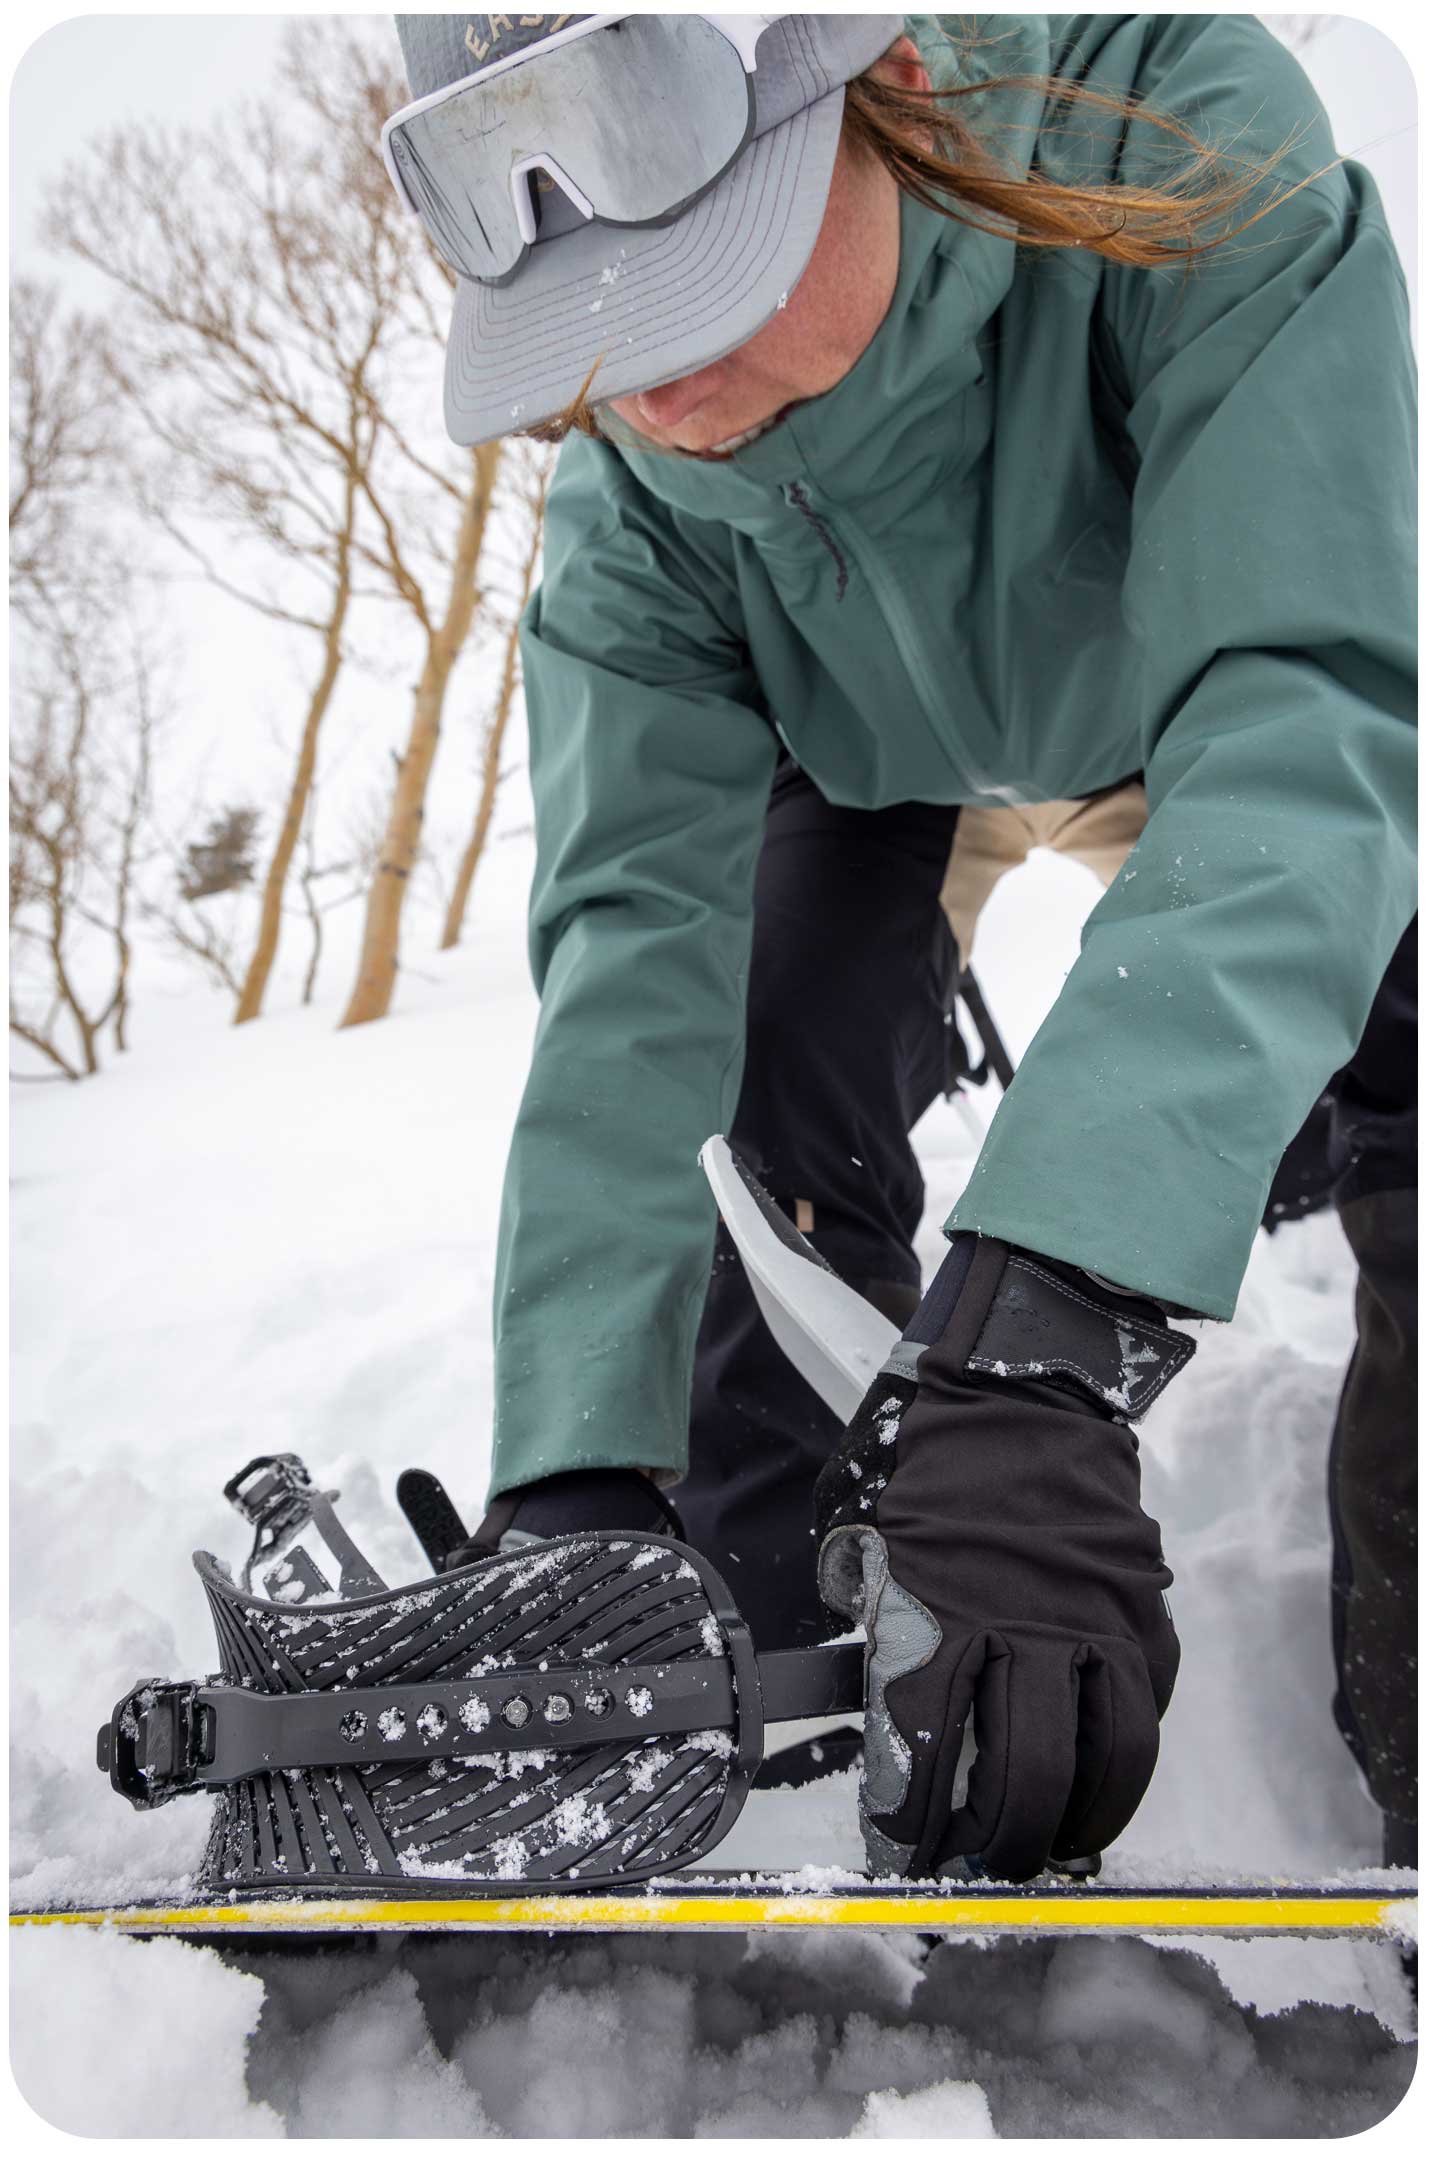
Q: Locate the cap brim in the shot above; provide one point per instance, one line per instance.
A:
(652, 304)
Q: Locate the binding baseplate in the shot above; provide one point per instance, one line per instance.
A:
(583, 1713)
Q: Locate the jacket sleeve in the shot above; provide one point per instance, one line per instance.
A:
(1270, 591)
(651, 769)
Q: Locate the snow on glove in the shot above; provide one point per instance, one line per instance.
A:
(983, 1518)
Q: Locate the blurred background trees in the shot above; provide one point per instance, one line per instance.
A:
(84, 714)
(255, 409)
(529, 470)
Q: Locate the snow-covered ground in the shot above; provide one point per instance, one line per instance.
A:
(239, 1242)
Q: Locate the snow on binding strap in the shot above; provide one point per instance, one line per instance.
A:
(585, 1712)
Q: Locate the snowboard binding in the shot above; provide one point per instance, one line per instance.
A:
(581, 1713)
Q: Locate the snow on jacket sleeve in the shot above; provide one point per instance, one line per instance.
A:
(1229, 970)
(651, 772)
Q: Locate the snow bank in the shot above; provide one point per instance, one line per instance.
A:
(110, 2038)
(609, 2037)
(944, 2111)
(342, 2053)
(614, 2037)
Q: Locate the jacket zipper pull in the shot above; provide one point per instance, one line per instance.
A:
(795, 494)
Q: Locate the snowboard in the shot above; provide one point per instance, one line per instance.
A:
(722, 1903)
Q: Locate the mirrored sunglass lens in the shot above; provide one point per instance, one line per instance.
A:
(642, 115)
(460, 190)
(655, 111)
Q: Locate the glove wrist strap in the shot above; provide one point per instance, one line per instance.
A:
(1018, 1316)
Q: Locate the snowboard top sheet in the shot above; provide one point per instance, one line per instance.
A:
(981, 1909)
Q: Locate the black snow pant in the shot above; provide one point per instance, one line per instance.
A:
(853, 967)
(1373, 1111)
(849, 1039)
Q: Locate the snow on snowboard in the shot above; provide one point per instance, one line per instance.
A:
(552, 1739)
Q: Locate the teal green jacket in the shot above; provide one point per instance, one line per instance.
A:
(1062, 523)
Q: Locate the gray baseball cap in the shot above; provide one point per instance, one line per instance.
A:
(652, 303)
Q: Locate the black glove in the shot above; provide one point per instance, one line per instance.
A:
(983, 1518)
(560, 1506)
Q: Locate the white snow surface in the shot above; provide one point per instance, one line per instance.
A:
(281, 1237)
(90, 2059)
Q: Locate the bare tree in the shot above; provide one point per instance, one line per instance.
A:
(532, 488)
(267, 944)
(84, 718)
(417, 500)
(444, 635)
(59, 456)
(128, 829)
(80, 778)
(313, 875)
(193, 934)
(289, 307)
(265, 299)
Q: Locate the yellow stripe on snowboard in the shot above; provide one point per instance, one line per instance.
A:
(1170, 1913)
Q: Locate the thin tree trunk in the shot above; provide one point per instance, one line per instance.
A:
(46, 1048)
(85, 1027)
(475, 845)
(252, 991)
(316, 935)
(380, 943)
(122, 987)
(490, 765)
(129, 832)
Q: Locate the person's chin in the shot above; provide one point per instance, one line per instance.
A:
(722, 438)
(697, 434)
(709, 429)
(700, 440)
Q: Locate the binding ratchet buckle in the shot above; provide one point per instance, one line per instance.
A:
(161, 1735)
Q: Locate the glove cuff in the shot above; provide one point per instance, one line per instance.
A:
(998, 1310)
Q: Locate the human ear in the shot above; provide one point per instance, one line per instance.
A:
(902, 67)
